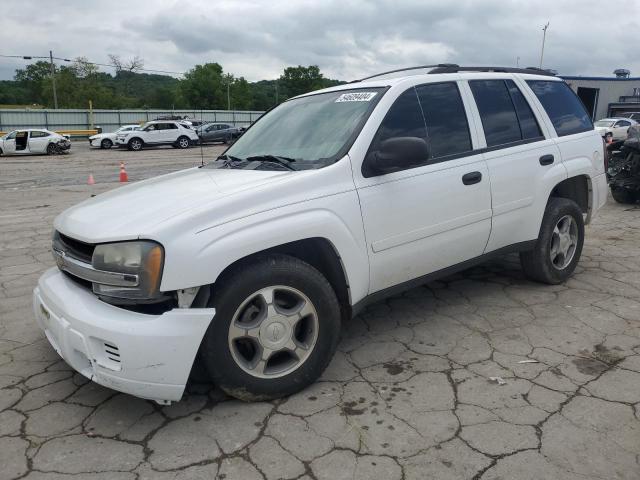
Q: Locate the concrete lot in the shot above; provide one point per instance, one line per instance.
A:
(408, 396)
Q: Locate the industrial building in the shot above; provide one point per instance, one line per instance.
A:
(618, 95)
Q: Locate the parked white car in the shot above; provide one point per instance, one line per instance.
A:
(614, 128)
(158, 132)
(108, 140)
(29, 141)
(331, 201)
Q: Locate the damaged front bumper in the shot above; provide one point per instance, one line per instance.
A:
(149, 356)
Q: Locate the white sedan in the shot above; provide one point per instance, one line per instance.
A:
(108, 140)
(33, 141)
(614, 128)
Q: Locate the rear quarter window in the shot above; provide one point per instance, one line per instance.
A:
(564, 108)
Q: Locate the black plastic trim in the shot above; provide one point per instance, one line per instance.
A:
(445, 272)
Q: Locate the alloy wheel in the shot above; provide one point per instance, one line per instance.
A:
(273, 332)
(564, 240)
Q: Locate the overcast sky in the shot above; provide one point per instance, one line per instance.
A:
(347, 39)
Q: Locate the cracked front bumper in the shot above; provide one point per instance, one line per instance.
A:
(149, 356)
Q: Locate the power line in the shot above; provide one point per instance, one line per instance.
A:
(34, 57)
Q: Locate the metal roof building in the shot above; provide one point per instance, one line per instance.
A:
(607, 96)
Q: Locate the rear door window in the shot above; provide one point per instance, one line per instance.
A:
(564, 108)
(445, 117)
(499, 118)
(529, 127)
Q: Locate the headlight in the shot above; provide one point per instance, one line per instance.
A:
(142, 260)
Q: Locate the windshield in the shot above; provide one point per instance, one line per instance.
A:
(604, 123)
(313, 128)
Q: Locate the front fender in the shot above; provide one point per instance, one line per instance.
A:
(194, 260)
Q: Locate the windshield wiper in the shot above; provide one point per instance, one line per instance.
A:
(284, 161)
(230, 160)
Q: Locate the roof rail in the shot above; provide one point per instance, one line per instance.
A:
(456, 69)
(440, 65)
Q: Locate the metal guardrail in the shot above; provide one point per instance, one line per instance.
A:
(110, 120)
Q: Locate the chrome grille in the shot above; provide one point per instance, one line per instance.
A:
(72, 247)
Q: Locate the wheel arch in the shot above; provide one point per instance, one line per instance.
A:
(318, 252)
(579, 189)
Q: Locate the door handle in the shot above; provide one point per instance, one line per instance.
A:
(471, 178)
(546, 159)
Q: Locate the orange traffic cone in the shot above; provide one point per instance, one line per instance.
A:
(91, 181)
(123, 173)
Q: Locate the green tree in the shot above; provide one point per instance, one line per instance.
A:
(32, 79)
(241, 94)
(204, 87)
(299, 80)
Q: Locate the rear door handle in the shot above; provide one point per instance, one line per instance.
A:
(471, 178)
(546, 159)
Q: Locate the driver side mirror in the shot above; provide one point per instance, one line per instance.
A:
(398, 153)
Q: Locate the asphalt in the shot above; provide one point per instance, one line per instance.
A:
(481, 375)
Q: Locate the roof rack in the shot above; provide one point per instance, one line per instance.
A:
(456, 69)
(439, 65)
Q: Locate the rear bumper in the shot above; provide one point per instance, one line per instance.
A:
(149, 356)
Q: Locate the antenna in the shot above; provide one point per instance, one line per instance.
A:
(201, 147)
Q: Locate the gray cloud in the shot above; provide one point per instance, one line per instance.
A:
(347, 38)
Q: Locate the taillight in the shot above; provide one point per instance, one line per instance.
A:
(606, 154)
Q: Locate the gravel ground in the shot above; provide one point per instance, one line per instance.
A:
(409, 394)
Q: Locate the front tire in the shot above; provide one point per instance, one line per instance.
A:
(559, 245)
(622, 195)
(51, 149)
(106, 144)
(276, 328)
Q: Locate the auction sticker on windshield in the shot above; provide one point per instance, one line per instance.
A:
(356, 97)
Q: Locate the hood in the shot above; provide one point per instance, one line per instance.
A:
(136, 209)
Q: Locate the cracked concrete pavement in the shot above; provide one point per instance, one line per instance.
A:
(408, 395)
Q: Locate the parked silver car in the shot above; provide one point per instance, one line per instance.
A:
(218, 132)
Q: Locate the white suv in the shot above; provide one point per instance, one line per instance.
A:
(332, 200)
(162, 132)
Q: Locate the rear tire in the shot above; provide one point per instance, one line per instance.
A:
(106, 144)
(135, 144)
(547, 263)
(622, 195)
(183, 142)
(297, 330)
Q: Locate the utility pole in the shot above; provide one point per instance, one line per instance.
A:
(53, 80)
(518, 62)
(276, 92)
(544, 37)
(228, 91)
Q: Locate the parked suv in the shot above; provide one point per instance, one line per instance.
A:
(332, 200)
(158, 133)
